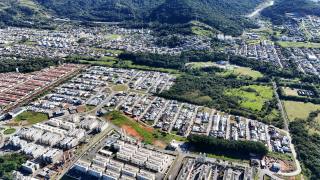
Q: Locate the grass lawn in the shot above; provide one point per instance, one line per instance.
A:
(147, 134)
(113, 36)
(103, 61)
(247, 72)
(287, 44)
(120, 87)
(252, 97)
(198, 65)
(290, 91)
(242, 72)
(299, 109)
(31, 117)
(9, 131)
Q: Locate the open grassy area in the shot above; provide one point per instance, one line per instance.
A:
(202, 29)
(130, 64)
(198, 65)
(299, 109)
(9, 131)
(252, 97)
(247, 72)
(113, 36)
(290, 91)
(287, 44)
(146, 134)
(120, 87)
(242, 72)
(229, 69)
(242, 161)
(31, 117)
(103, 61)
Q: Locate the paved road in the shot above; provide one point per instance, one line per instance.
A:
(280, 105)
(93, 141)
(260, 8)
(286, 127)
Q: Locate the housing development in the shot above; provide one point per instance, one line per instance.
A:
(159, 90)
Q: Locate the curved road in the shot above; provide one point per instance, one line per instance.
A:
(261, 7)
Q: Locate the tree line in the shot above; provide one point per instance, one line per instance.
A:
(212, 145)
(26, 66)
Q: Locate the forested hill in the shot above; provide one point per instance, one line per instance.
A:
(22, 13)
(225, 15)
(302, 7)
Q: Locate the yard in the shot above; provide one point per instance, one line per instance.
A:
(252, 97)
(30, 117)
(142, 132)
(299, 109)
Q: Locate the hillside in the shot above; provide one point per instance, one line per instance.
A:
(302, 7)
(22, 13)
(224, 15)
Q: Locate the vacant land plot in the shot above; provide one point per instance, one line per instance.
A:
(252, 97)
(9, 131)
(299, 109)
(140, 131)
(287, 44)
(197, 65)
(120, 87)
(241, 71)
(247, 72)
(290, 91)
(113, 36)
(30, 117)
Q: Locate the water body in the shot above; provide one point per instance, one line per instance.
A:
(261, 7)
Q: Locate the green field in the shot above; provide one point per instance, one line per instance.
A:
(247, 72)
(242, 72)
(113, 36)
(31, 117)
(9, 131)
(287, 44)
(290, 91)
(299, 109)
(252, 97)
(130, 64)
(103, 61)
(120, 87)
(146, 134)
(229, 69)
(198, 65)
(230, 159)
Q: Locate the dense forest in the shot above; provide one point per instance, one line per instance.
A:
(22, 14)
(277, 12)
(307, 146)
(237, 149)
(25, 66)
